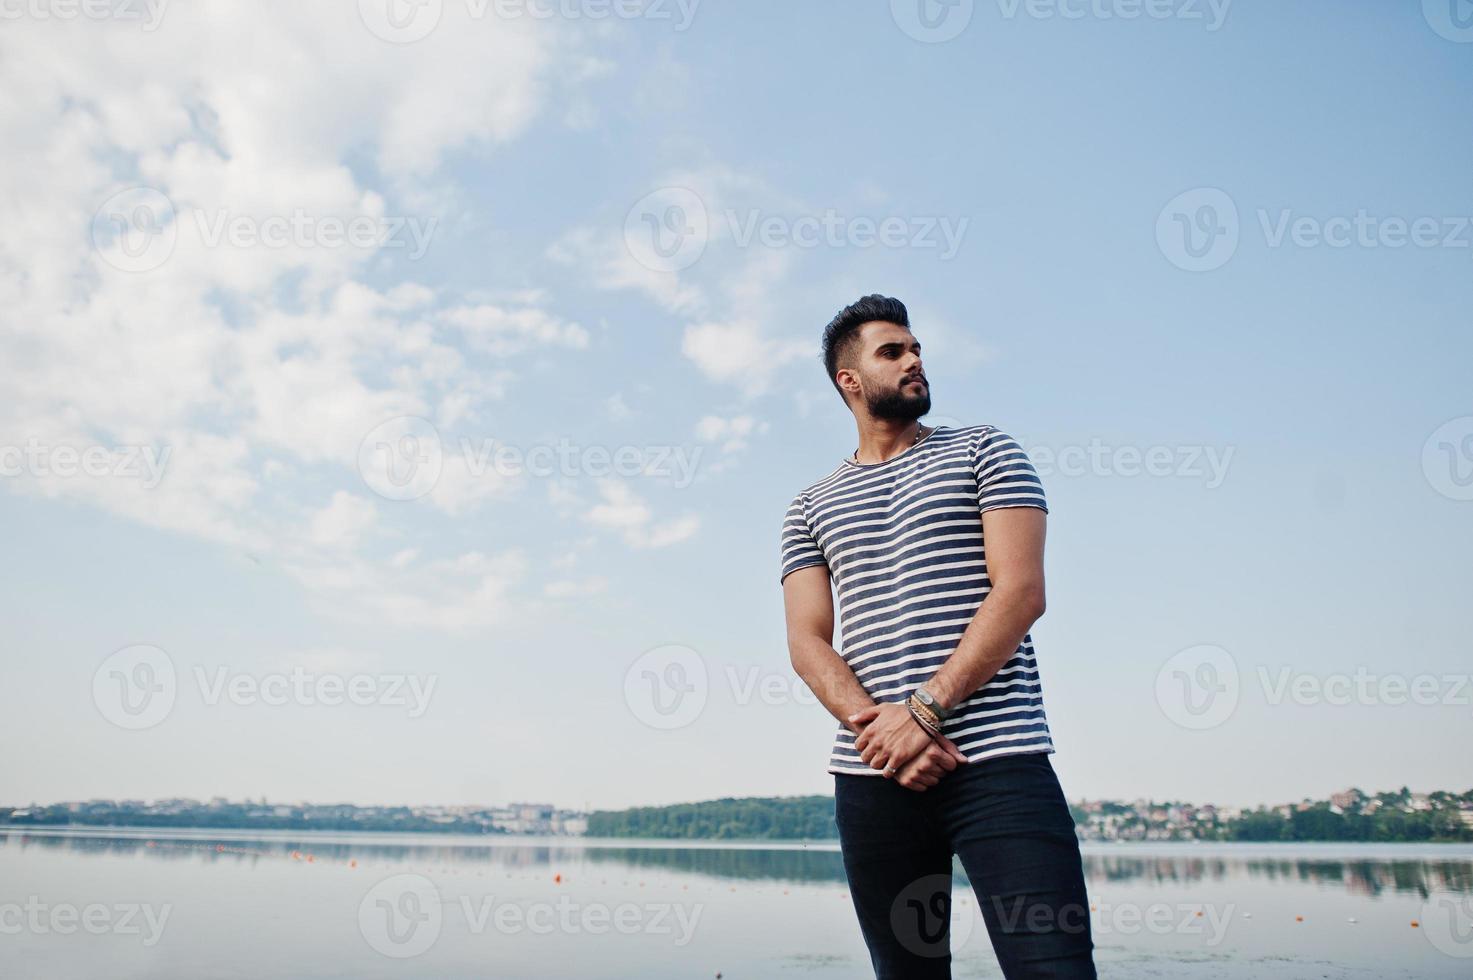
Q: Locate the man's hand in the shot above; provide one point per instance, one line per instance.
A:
(926, 769)
(891, 737)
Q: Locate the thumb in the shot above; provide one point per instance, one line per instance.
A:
(866, 716)
(951, 748)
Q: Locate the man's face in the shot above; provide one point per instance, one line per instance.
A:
(892, 382)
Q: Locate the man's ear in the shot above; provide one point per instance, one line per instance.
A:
(848, 380)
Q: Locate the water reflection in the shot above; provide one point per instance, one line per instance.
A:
(1370, 877)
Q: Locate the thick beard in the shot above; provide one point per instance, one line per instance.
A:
(897, 406)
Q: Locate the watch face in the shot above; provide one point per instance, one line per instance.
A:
(925, 697)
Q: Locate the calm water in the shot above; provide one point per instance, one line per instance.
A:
(194, 904)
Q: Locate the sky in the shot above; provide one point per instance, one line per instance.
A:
(402, 401)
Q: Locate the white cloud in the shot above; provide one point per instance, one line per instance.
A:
(740, 353)
(616, 407)
(733, 433)
(725, 295)
(502, 331)
(342, 522)
(256, 362)
(471, 591)
(575, 588)
(622, 511)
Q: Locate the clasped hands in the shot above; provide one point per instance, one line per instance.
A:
(889, 738)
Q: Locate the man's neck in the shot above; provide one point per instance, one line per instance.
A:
(883, 439)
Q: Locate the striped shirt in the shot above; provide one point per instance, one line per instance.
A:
(903, 544)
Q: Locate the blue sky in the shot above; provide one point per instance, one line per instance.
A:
(1063, 153)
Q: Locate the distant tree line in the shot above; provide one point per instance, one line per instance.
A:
(759, 818)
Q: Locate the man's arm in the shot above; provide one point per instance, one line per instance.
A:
(809, 603)
(1014, 537)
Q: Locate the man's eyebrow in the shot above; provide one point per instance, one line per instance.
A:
(896, 343)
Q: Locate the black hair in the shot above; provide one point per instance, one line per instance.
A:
(842, 332)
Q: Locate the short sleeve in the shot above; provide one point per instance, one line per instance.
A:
(1005, 476)
(799, 550)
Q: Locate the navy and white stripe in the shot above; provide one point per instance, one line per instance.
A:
(903, 544)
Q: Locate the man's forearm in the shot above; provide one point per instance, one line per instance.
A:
(991, 639)
(830, 679)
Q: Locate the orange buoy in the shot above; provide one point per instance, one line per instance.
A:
(1415, 924)
(353, 864)
(1298, 918)
(558, 878)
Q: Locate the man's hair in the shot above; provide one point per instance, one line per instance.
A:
(842, 333)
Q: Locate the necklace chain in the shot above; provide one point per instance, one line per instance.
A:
(917, 439)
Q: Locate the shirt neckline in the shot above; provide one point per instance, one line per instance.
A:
(904, 452)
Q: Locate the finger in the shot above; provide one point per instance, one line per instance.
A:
(950, 747)
(866, 716)
(941, 758)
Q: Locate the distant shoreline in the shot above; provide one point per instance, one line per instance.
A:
(1399, 850)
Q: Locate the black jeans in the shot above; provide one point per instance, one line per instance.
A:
(1006, 818)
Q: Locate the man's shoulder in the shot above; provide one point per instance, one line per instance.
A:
(818, 485)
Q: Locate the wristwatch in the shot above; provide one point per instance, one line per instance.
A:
(928, 699)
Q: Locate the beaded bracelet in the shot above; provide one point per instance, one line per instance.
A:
(926, 726)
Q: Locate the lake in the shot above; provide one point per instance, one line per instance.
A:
(154, 903)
